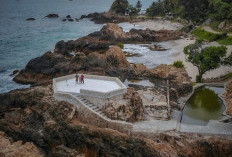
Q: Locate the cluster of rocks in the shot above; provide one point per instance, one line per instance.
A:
(129, 109)
(68, 18)
(107, 17)
(42, 124)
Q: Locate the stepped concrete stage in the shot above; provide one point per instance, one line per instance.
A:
(90, 84)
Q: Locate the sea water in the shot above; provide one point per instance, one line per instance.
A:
(22, 40)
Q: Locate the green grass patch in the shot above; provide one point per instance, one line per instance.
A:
(208, 36)
(178, 64)
(226, 41)
(227, 76)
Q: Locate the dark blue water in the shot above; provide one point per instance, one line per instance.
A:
(22, 40)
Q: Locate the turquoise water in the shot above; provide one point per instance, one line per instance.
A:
(22, 40)
(203, 105)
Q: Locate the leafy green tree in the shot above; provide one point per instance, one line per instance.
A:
(139, 5)
(132, 10)
(156, 8)
(220, 9)
(195, 10)
(119, 7)
(205, 59)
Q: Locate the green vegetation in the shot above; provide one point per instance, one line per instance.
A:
(220, 38)
(178, 64)
(227, 76)
(121, 7)
(205, 59)
(225, 41)
(196, 11)
(121, 45)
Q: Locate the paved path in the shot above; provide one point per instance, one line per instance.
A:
(213, 127)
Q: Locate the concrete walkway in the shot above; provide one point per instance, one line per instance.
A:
(213, 127)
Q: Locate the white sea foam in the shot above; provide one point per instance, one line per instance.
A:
(149, 57)
(128, 26)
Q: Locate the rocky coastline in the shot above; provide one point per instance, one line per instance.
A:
(33, 117)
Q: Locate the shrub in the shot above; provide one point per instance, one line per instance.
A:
(121, 45)
(178, 64)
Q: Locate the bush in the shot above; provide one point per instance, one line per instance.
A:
(178, 64)
(121, 45)
(198, 78)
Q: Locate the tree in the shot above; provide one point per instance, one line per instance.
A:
(205, 59)
(195, 10)
(155, 9)
(132, 10)
(119, 7)
(139, 5)
(220, 9)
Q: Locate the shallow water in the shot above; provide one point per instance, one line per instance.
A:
(22, 40)
(203, 105)
(150, 58)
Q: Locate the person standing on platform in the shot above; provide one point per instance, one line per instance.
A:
(77, 78)
(82, 78)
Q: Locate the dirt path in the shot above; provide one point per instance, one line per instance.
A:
(209, 29)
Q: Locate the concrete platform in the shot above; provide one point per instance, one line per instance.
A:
(97, 85)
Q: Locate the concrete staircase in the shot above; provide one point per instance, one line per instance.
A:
(92, 106)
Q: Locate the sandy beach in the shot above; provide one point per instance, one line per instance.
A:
(191, 69)
(181, 43)
(159, 24)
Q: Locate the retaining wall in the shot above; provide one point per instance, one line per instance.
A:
(89, 116)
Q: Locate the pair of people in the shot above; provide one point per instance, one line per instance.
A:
(80, 79)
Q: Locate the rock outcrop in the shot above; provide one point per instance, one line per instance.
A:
(228, 97)
(11, 148)
(43, 69)
(52, 16)
(129, 109)
(30, 19)
(106, 17)
(35, 118)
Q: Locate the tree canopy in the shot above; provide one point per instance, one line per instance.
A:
(205, 58)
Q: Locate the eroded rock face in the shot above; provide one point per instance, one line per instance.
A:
(228, 97)
(179, 82)
(35, 118)
(129, 109)
(11, 148)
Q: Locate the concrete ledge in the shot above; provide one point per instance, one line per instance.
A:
(91, 93)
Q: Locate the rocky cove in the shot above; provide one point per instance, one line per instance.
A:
(32, 119)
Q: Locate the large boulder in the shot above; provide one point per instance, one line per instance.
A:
(112, 32)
